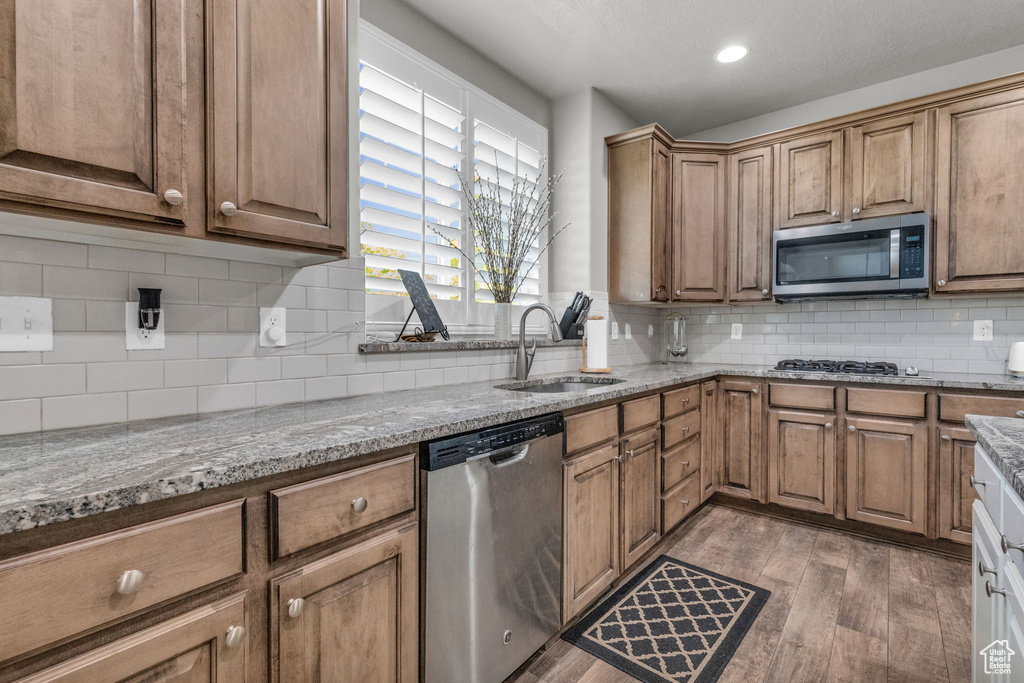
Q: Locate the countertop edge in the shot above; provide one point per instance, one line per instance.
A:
(992, 438)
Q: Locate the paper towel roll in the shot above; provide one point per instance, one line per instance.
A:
(597, 343)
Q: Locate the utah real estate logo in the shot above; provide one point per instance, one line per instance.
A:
(997, 657)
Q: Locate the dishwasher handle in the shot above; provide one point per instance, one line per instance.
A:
(507, 457)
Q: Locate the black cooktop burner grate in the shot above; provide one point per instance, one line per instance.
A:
(852, 367)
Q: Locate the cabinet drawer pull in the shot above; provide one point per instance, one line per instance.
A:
(685, 430)
(945, 437)
(989, 590)
(129, 582)
(982, 570)
(235, 636)
(685, 502)
(359, 505)
(295, 606)
(1020, 413)
(852, 428)
(685, 463)
(979, 482)
(174, 197)
(1007, 546)
(228, 209)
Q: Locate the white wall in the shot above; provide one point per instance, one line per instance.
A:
(423, 35)
(954, 75)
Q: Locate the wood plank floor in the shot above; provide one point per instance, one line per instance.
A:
(842, 609)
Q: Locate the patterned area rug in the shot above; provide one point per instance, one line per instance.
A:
(672, 623)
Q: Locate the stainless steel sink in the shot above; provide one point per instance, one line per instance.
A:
(559, 385)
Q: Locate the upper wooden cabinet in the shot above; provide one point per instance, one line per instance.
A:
(979, 233)
(92, 107)
(639, 206)
(809, 181)
(749, 242)
(278, 108)
(698, 226)
(887, 167)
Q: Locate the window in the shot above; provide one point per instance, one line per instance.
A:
(418, 123)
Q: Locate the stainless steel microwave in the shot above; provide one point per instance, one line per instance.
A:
(878, 257)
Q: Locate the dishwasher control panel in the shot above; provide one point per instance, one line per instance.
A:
(454, 450)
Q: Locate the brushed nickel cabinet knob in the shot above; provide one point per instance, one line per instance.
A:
(679, 292)
(945, 437)
(754, 391)
(173, 197)
(1007, 546)
(129, 582)
(852, 428)
(359, 505)
(989, 590)
(765, 292)
(941, 283)
(235, 636)
(685, 463)
(978, 482)
(835, 213)
(228, 209)
(295, 606)
(856, 210)
(982, 569)
(1020, 413)
(828, 425)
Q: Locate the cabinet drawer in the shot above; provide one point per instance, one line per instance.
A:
(640, 413)
(588, 429)
(807, 396)
(57, 593)
(679, 429)
(316, 511)
(885, 402)
(953, 408)
(679, 502)
(988, 482)
(680, 463)
(680, 400)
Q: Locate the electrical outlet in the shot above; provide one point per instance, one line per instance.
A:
(615, 331)
(737, 330)
(26, 324)
(629, 332)
(273, 327)
(983, 330)
(137, 339)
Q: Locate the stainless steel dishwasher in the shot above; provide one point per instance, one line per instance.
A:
(493, 540)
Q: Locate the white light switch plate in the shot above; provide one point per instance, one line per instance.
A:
(983, 330)
(26, 324)
(273, 319)
(737, 330)
(629, 331)
(615, 331)
(140, 340)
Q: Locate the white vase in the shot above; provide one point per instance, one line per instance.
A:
(503, 322)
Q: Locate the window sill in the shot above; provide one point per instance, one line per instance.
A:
(457, 345)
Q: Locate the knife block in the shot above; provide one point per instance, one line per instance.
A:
(570, 329)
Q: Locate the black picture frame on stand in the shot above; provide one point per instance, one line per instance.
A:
(422, 306)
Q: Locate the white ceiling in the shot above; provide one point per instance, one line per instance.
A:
(654, 58)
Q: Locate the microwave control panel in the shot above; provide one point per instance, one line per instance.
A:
(912, 254)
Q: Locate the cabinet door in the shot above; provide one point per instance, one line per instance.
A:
(809, 181)
(708, 439)
(987, 609)
(956, 494)
(192, 648)
(661, 219)
(739, 439)
(641, 495)
(277, 101)
(886, 473)
(92, 104)
(979, 237)
(887, 169)
(358, 615)
(1013, 622)
(591, 528)
(750, 225)
(698, 209)
(802, 460)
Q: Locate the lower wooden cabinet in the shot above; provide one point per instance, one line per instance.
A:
(802, 460)
(641, 489)
(739, 439)
(591, 498)
(351, 616)
(956, 494)
(708, 439)
(887, 473)
(206, 645)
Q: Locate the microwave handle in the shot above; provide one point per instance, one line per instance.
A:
(894, 254)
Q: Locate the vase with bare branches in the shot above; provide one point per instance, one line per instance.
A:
(506, 224)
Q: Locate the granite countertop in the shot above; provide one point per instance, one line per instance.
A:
(1003, 440)
(61, 475)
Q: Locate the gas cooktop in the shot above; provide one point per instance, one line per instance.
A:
(851, 367)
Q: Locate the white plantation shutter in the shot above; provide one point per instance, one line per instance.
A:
(418, 123)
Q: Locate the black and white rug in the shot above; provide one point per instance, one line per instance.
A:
(672, 623)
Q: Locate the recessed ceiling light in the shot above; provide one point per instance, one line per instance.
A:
(733, 53)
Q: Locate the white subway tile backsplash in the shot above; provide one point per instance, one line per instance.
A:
(43, 252)
(113, 258)
(217, 398)
(191, 373)
(102, 378)
(21, 279)
(321, 388)
(253, 369)
(196, 266)
(227, 293)
(81, 283)
(254, 272)
(80, 411)
(143, 405)
(39, 381)
(20, 416)
(281, 391)
(175, 289)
